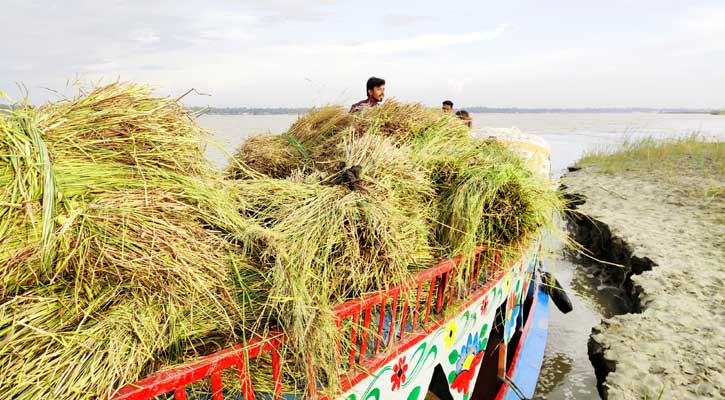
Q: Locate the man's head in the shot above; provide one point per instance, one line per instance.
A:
(447, 107)
(376, 88)
(463, 114)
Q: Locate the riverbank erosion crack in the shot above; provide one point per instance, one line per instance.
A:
(668, 236)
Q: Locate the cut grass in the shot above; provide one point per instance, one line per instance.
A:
(119, 244)
(122, 250)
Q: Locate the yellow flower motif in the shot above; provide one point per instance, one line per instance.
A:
(450, 335)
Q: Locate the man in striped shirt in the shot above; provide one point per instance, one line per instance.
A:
(376, 92)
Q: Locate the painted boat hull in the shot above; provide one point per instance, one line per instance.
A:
(526, 366)
(455, 349)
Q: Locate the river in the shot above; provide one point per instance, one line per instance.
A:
(566, 372)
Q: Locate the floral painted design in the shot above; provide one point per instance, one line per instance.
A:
(450, 337)
(468, 351)
(469, 358)
(484, 305)
(462, 382)
(398, 377)
(512, 311)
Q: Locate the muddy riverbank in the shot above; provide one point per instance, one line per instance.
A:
(667, 230)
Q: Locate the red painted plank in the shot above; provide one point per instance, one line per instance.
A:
(216, 386)
(353, 335)
(379, 337)
(180, 393)
(366, 328)
(391, 333)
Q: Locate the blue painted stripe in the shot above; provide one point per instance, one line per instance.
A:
(531, 356)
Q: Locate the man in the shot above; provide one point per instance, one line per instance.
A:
(463, 115)
(447, 107)
(375, 91)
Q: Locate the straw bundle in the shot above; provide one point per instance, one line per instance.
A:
(122, 250)
(341, 236)
(319, 125)
(274, 156)
(403, 122)
(495, 200)
(107, 349)
(111, 190)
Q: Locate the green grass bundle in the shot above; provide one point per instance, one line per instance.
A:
(403, 122)
(57, 161)
(271, 155)
(497, 202)
(98, 351)
(315, 139)
(319, 124)
(111, 190)
(123, 251)
(336, 242)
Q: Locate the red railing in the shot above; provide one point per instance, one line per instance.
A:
(177, 379)
(435, 289)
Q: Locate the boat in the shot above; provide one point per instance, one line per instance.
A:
(480, 336)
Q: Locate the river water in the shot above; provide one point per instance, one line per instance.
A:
(566, 372)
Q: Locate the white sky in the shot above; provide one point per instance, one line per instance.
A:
(554, 53)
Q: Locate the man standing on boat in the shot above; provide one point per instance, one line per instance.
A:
(376, 92)
(447, 107)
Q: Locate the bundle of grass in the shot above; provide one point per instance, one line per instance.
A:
(57, 160)
(404, 122)
(379, 220)
(97, 352)
(319, 124)
(445, 150)
(111, 190)
(339, 236)
(428, 132)
(495, 201)
(274, 156)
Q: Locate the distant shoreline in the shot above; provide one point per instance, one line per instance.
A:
(477, 110)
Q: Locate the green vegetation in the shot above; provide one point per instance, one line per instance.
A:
(123, 251)
(363, 199)
(691, 153)
(689, 164)
(114, 250)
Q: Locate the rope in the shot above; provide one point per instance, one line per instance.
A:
(517, 391)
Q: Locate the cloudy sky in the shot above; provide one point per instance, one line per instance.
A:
(554, 53)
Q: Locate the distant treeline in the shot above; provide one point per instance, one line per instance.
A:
(248, 110)
(476, 109)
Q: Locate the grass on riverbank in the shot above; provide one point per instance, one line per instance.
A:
(693, 152)
(691, 164)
